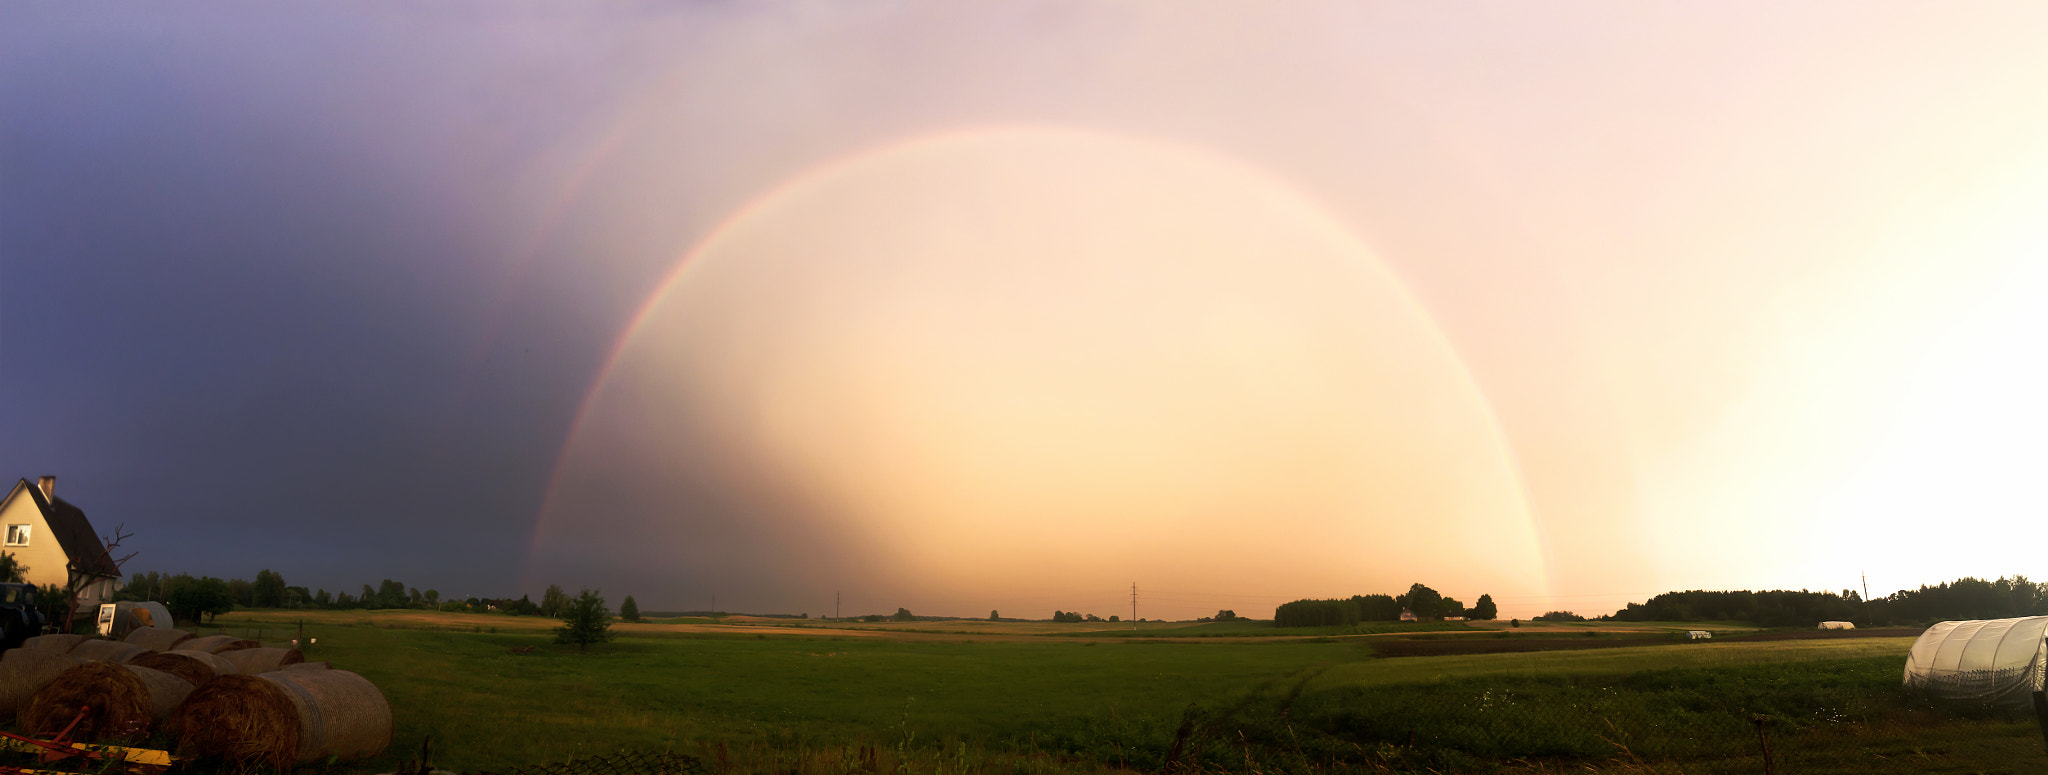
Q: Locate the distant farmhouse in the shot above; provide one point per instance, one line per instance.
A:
(54, 541)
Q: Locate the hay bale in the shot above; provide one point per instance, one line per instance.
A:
(284, 718)
(215, 644)
(24, 671)
(309, 666)
(261, 660)
(107, 651)
(195, 666)
(157, 638)
(59, 643)
(121, 701)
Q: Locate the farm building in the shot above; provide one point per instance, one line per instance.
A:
(1699, 635)
(53, 539)
(1995, 662)
(1838, 625)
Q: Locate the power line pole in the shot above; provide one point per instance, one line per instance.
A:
(1867, 620)
(835, 605)
(1134, 606)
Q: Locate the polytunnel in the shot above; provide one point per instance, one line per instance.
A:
(1992, 661)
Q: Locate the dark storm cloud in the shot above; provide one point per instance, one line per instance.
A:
(259, 302)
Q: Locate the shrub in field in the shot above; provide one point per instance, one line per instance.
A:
(586, 620)
(629, 610)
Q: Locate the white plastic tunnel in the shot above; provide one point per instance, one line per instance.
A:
(1998, 662)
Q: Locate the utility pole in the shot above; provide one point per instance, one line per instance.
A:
(835, 605)
(1867, 621)
(1134, 606)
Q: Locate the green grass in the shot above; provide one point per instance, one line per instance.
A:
(816, 700)
(1265, 629)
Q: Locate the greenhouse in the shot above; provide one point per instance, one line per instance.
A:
(1996, 662)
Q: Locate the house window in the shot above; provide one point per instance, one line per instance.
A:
(17, 535)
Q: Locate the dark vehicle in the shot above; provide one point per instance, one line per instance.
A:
(19, 617)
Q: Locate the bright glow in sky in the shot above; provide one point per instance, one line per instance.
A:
(1008, 305)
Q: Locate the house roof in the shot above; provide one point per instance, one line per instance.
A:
(74, 533)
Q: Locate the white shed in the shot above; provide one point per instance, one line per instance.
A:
(1995, 661)
(1699, 634)
(1838, 625)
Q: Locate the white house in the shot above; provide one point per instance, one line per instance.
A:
(54, 541)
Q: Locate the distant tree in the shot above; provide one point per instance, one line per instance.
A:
(297, 597)
(992, 616)
(904, 615)
(1560, 616)
(413, 598)
(1112, 617)
(11, 569)
(368, 599)
(1424, 602)
(629, 610)
(206, 596)
(553, 600)
(323, 600)
(434, 598)
(1226, 615)
(521, 607)
(243, 592)
(1450, 607)
(1094, 618)
(874, 618)
(391, 594)
(344, 601)
(586, 620)
(268, 590)
(1484, 609)
(1514, 623)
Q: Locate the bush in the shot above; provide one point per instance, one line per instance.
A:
(586, 620)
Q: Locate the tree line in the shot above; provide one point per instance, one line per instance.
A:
(1965, 598)
(200, 598)
(1422, 602)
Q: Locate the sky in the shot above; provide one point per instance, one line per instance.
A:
(777, 307)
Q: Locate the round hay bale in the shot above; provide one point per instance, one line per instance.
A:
(195, 666)
(309, 666)
(284, 718)
(53, 642)
(215, 644)
(157, 638)
(261, 660)
(121, 701)
(107, 651)
(24, 671)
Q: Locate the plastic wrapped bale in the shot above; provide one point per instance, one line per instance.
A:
(1989, 662)
(107, 651)
(118, 701)
(24, 671)
(60, 643)
(157, 638)
(215, 644)
(198, 667)
(284, 718)
(261, 660)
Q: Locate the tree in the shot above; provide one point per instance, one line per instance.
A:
(1424, 602)
(1226, 615)
(242, 592)
(992, 616)
(586, 620)
(391, 594)
(1450, 607)
(368, 599)
(268, 590)
(1484, 609)
(904, 615)
(191, 598)
(434, 598)
(553, 600)
(629, 610)
(11, 569)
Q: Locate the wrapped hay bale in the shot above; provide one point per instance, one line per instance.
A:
(107, 651)
(309, 666)
(157, 638)
(261, 660)
(121, 701)
(215, 644)
(59, 643)
(195, 666)
(24, 671)
(284, 718)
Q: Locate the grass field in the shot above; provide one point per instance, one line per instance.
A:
(785, 696)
